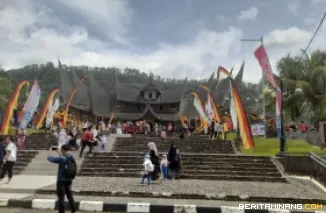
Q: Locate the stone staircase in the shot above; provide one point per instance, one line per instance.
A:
(41, 166)
(24, 158)
(33, 160)
(194, 166)
(200, 145)
(201, 159)
(40, 142)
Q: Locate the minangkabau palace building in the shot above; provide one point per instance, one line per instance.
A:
(153, 101)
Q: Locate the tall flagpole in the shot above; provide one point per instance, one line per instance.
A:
(263, 85)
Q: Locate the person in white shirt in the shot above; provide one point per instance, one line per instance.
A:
(85, 125)
(9, 160)
(110, 128)
(149, 168)
(119, 128)
(62, 138)
(218, 130)
(95, 136)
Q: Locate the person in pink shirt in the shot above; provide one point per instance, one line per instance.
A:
(21, 136)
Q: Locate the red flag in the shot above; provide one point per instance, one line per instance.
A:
(262, 58)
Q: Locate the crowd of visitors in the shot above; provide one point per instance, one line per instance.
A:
(90, 135)
(293, 130)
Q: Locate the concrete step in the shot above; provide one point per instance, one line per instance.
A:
(43, 173)
(203, 172)
(184, 158)
(53, 167)
(184, 162)
(41, 166)
(144, 150)
(192, 176)
(194, 167)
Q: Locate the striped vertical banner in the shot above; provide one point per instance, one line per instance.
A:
(200, 103)
(262, 57)
(12, 104)
(51, 110)
(200, 110)
(31, 104)
(245, 130)
(47, 104)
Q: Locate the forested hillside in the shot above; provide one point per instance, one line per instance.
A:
(49, 78)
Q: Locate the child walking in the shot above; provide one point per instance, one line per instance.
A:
(149, 168)
(164, 167)
(103, 139)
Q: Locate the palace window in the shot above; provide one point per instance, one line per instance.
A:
(150, 95)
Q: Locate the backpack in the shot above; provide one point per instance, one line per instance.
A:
(70, 169)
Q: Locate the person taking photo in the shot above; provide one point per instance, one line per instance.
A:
(67, 170)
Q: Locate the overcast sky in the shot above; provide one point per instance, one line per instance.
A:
(171, 38)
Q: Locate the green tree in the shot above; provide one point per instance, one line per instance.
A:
(304, 84)
(5, 90)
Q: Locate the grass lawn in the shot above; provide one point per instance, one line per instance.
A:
(231, 136)
(271, 146)
(12, 131)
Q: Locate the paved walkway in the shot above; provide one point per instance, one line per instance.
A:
(295, 189)
(152, 201)
(25, 184)
(11, 210)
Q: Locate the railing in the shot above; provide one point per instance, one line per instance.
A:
(318, 168)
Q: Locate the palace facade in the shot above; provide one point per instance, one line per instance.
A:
(151, 101)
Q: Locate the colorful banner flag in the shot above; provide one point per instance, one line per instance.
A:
(203, 123)
(12, 104)
(278, 112)
(43, 113)
(233, 111)
(31, 104)
(51, 110)
(209, 108)
(244, 127)
(214, 106)
(200, 110)
(224, 71)
(263, 60)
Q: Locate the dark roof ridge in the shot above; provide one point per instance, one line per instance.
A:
(151, 82)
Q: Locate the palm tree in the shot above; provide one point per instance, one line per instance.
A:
(305, 84)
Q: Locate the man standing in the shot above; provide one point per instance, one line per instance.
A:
(9, 159)
(66, 174)
(85, 141)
